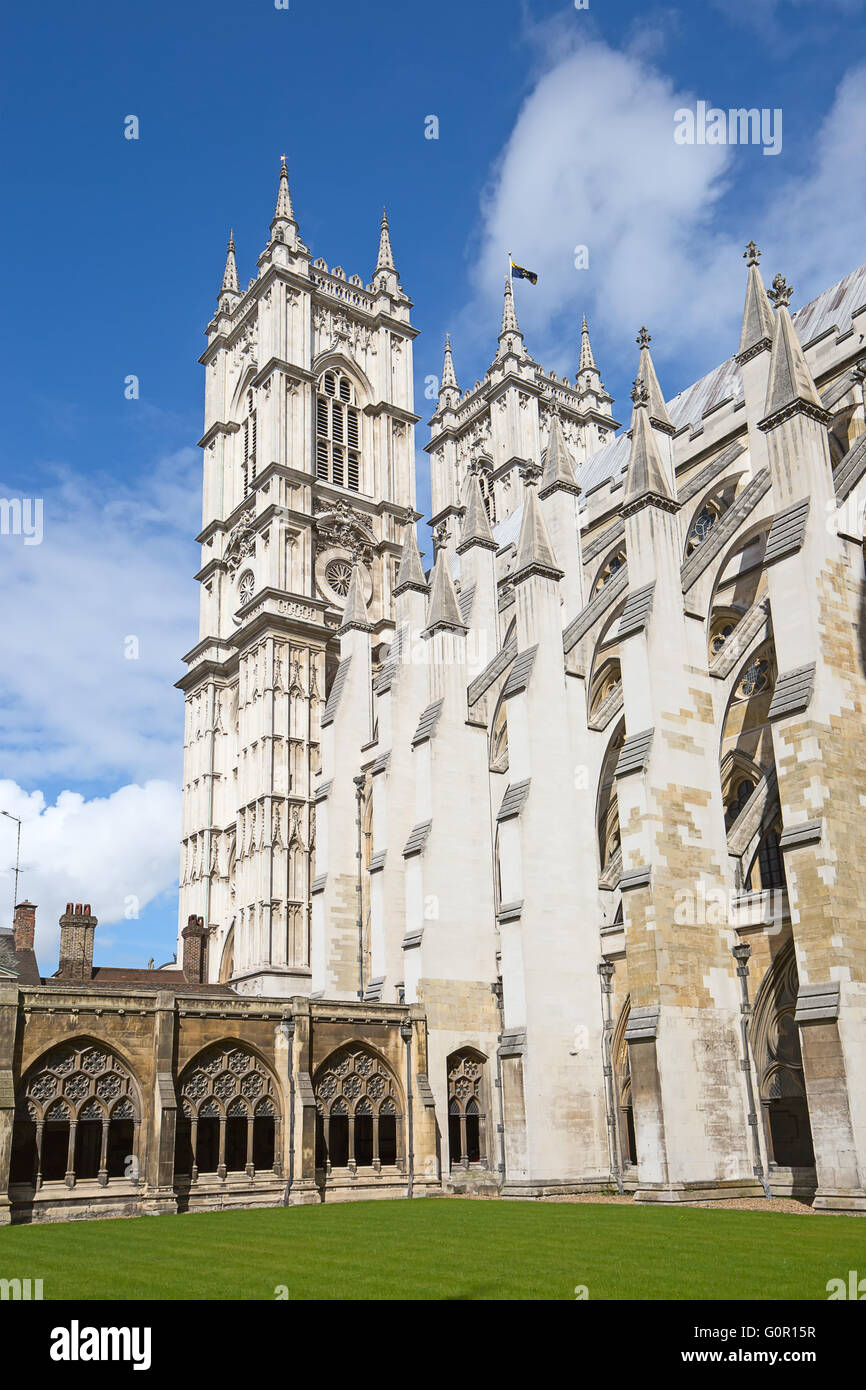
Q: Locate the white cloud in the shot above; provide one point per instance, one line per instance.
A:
(119, 853)
(116, 561)
(591, 160)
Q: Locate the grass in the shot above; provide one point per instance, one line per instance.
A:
(441, 1249)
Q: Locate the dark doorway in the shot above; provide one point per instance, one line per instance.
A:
(388, 1140)
(121, 1140)
(55, 1150)
(236, 1143)
(88, 1145)
(208, 1150)
(23, 1152)
(364, 1140)
(263, 1142)
(338, 1147)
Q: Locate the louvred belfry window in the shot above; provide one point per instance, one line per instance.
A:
(249, 428)
(338, 431)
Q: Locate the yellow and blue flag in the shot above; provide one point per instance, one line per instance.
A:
(522, 273)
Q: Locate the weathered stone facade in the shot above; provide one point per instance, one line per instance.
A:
(537, 873)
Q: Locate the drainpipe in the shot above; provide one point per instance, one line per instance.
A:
(359, 792)
(606, 972)
(406, 1035)
(288, 1031)
(500, 1004)
(741, 953)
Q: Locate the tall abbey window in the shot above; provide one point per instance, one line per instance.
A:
(249, 428)
(338, 449)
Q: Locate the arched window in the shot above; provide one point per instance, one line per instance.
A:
(768, 866)
(248, 467)
(230, 1115)
(609, 569)
(739, 793)
(702, 525)
(756, 678)
(467, 1138)
(338, 447)
(77, 1119)
(488, 496)
(357, 1110)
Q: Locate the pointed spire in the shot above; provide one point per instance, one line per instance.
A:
(509, 317)
(510, 336)
(646, 478)
(284, 211)
(790, 387)
(587, 361)
(410, 574)
(355, 613)
(558, 463)
(386, 255)
(756, 333)
(230, 274)
(476, 524)
(443, 610)
(658, 411)
(534, 550)
(448, 377)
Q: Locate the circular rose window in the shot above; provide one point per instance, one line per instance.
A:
(246, 587)
(339, 574)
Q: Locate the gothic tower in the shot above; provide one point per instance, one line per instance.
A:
(308, 476)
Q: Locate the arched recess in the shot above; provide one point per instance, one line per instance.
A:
(740, 580)
(604, 682)
(622, 1088)
(708, 510)
(498, 739)
(607, 808)
(746, 756)
(230, 1114)
(610, 565)
(469, 1130)
(779, 1064)
(359, 1113)
(77, 1117)
(227, 960)
(740, 775)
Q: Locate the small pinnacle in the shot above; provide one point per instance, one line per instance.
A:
(530, 473)
(751, 255)
(639, 392)
(643, 338)
(781, 291)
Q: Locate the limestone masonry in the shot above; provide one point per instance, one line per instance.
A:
(533, 874)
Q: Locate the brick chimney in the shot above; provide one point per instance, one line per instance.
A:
(194, 936)
(77, 926)
(24, 925)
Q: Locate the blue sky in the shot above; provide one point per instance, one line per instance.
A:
(555, 129)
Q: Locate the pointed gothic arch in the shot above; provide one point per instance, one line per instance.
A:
(77, 1117)
(359, 1112)
(622, 1086)
(230, 1114)
(468, 1109)
(775, 1045)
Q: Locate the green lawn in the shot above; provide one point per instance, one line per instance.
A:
(441, 1249)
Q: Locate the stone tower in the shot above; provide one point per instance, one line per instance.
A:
(308, 477)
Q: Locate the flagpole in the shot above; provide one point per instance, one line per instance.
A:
(510, 276)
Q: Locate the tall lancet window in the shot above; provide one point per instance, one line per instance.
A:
(249, 428)
(338, 430)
